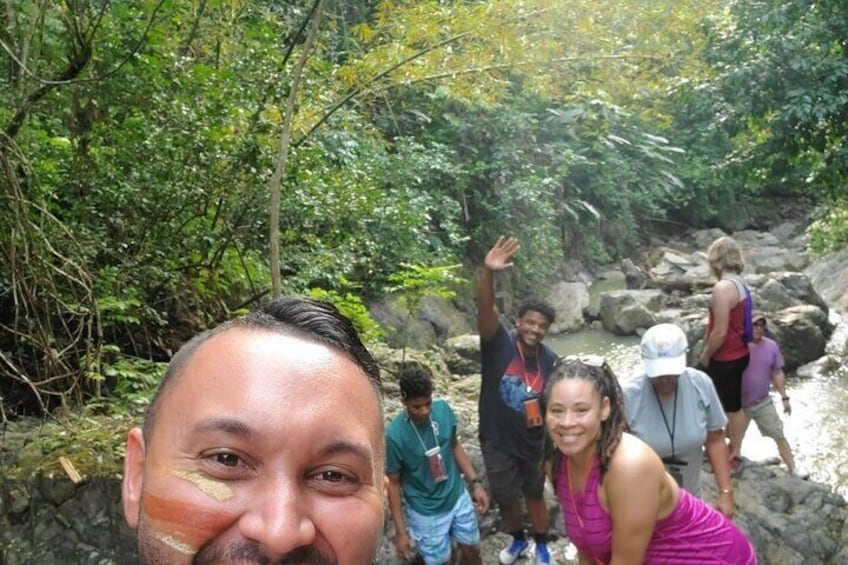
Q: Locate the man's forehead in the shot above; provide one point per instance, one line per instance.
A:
(239, 357)
(533, 314)
(249, 345)
(246, 366)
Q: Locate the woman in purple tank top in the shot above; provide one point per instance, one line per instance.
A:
(619, 504)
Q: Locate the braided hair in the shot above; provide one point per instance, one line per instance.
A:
(595, 370)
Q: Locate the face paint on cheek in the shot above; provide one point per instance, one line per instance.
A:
(218, 490)
(188, 525)
(174, 544)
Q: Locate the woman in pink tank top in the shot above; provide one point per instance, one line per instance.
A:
(619, 504)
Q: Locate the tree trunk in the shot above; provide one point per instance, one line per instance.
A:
(282, 155)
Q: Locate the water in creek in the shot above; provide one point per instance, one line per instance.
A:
(815, 430)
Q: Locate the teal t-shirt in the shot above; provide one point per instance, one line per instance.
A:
(405, 455)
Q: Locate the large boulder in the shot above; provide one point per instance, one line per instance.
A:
(434, 320)
(802, 332)
(769, 259)
(828, 277)
(623, 312)
(789, 521)
(462, 354)
(569, 300)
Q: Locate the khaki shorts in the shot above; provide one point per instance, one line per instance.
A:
(765, 415)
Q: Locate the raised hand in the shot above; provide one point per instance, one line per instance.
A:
(498, 257)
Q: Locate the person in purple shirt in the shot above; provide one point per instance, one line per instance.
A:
(619, 503)
(765, 367)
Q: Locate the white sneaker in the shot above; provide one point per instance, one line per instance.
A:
(516, 550)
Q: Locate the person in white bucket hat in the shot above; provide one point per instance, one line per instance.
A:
(675, 409)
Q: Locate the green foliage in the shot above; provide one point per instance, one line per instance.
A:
(830, 232)
(415, 282)
(139, 154)
(351, 306)
(771, 116)
(130, 381)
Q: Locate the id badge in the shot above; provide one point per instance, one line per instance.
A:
(436, 464)
(533, 412)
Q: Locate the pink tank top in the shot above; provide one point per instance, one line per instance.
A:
(693, 533)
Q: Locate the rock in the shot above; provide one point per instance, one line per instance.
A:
(789, 521)
(634, 277)
(624, 311)
(801, 287)
(569, 300)
(828, 276)
(769, 259)
(434, 321)
(822, 366)
(802, 332)
(703, 238)
(462, 354)
(87, 528)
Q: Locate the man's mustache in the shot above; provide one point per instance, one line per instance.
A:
(251, 554)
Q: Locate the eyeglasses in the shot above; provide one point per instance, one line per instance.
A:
(760, 324)
(587, 359)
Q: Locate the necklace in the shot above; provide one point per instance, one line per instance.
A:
(529, 385)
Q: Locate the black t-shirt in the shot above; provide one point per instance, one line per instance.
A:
(507, 383)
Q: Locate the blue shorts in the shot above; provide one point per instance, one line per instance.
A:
(433, 534)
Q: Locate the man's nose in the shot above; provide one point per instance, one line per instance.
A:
(278, 517)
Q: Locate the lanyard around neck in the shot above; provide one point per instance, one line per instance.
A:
(536, 374)
(671, 429)
(420, 439)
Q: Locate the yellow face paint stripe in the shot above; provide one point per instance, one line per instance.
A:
(217, 490)
(175, 544)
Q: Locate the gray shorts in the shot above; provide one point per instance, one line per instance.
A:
(510, 476)
(765, 415)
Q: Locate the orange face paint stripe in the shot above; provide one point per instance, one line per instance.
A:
(184, 522)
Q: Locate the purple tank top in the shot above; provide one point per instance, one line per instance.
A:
(693, 532)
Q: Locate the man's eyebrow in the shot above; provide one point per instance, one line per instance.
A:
(227, 425)
(358, 449)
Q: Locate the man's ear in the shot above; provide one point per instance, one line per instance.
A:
(133, 476)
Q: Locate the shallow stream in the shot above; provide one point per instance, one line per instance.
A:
(816, 429)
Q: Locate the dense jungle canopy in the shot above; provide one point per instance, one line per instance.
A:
(168, 163)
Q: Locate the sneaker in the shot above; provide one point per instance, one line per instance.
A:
(517, 549)
(543, 556)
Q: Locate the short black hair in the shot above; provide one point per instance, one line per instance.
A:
(540, 306)
(311, 319)
(414, 383)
